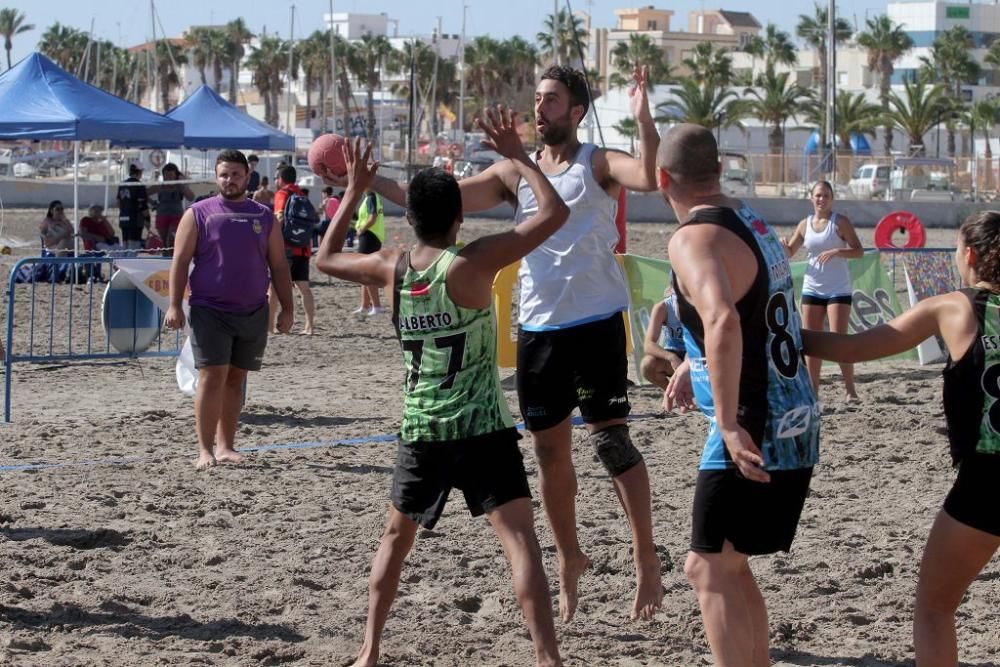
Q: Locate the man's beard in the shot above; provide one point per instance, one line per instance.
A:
(236, 196)
(555, 134)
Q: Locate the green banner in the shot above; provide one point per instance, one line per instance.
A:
(874, 298)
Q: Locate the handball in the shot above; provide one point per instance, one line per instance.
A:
(327, 150)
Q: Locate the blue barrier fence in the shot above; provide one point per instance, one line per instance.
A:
(63, 312)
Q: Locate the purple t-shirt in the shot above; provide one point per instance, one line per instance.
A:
(230, 259)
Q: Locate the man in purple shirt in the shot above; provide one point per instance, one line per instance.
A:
(237, 250)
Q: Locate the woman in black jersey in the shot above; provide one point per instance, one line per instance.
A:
(966, 532)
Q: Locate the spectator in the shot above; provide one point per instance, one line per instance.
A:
(327, 208)
(254, 183)
(371, 233)
(133, 208)
(264, 195)
(56, 230)
(96, 230)
(298, 258)
(170, 203)
(235, 258)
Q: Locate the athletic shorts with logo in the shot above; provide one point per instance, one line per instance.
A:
(488, 469)
(220, 338)
(583, 366)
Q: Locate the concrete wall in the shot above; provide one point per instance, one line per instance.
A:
(642, 207)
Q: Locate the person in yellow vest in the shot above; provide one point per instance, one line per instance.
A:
(370, 229)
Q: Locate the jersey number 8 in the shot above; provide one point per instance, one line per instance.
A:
(782, 350)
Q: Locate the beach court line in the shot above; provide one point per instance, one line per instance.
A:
(387, 437)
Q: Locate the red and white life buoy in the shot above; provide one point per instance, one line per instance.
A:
(900, 221)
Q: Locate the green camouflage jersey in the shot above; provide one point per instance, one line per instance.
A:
(972, 384)
(452, 387)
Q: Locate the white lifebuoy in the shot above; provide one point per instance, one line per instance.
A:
(157, 158)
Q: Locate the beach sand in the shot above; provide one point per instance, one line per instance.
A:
(123, 554)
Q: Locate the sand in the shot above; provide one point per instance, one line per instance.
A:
(124, 555)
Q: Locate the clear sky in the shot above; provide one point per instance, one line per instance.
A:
(127, 22)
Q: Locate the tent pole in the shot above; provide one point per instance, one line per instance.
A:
(76, 198)
(107, 180)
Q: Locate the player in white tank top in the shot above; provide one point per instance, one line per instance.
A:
(829, 240)
(560, 301)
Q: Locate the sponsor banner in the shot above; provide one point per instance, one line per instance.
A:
(151, 276)
(875, 300)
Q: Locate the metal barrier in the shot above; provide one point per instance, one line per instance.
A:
(77, 325)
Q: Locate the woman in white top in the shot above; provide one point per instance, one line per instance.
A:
(829, 240)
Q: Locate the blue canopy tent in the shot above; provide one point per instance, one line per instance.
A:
(41, 101)
(859, 144)
(212, 122)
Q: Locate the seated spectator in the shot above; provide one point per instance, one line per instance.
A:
(56, 230)
(96, 230)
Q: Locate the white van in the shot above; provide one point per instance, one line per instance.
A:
(870, 181)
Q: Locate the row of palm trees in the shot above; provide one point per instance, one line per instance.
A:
(711, 93)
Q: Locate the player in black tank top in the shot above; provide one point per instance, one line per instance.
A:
(966, 532)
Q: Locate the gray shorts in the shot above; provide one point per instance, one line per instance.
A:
(219, 338)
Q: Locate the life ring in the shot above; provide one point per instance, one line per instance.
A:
(900, 221)
(157, 158)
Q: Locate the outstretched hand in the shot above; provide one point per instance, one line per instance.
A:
(361, 168)
(638, 100)
(501, 136)
(679, 394)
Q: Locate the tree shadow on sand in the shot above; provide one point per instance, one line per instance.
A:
(803, 658)
(122, 620)
(76, 538)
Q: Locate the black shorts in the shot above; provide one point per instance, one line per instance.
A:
(299, 266)
(755, 518)
(368, 243)
(974, 499)
(581, 366)
(131, 233)
(813, 300)
(488, 469)
(219, 338)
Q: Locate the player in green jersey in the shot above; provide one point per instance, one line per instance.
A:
(966, 532)
(456, 430)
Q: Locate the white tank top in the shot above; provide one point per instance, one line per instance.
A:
(830, 279)
(572, 278)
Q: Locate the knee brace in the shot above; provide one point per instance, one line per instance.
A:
(615, 449)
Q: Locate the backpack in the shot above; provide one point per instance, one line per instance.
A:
(300, 219)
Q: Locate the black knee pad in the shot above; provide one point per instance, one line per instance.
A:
(615, 449)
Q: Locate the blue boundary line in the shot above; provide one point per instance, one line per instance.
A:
(314, 444)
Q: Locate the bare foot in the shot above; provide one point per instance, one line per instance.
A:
(228, 456)
(308, 332)
(205, 461)
(570, 572)
(852, 397)
(366, 658)
(649, 590)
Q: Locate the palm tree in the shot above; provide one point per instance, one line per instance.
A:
(373, 51)
(773, 101)
(917, 111)
(710, 65)
(983, 115)
(209, 47)
(813, 30)
(500, 72)
(168, 61)
(12, 22)
(314, 58)
(237, 35)
(269, 61)
(569, 30)
(708, 106)
(854, 115)
(951, 64)
(639, 51)
(628, 127)
(348, 61)
(778, 48)
(64, 45)
(885, 43)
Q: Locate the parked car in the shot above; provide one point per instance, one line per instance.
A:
(924, 179)
(870, 181)
(737, 175)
